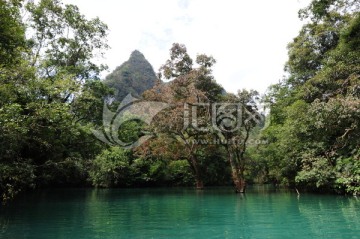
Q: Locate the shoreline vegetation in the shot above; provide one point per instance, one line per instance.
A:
(304, 133)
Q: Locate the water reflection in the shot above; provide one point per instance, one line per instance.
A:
(264, 212)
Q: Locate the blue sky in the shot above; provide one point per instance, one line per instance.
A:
(247, 38)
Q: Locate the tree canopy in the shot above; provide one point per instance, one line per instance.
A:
(314, 128)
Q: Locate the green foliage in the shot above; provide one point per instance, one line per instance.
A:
(178, 173)
(88, 106)
(111, 168)
(12, 34)
(15, 177)
(317, 172)
(44, 141)
(319, 10)
(130, 131)
(148, 172)
(64, 40)
(72, 171)
(116, 167)
(205, 81)
(314, 132)
(348, 173)
(180, 63)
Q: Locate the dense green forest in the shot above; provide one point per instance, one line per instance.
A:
(315, 111)
(52, 99)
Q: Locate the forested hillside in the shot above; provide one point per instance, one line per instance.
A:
(134, 76)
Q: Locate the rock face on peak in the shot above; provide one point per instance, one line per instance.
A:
(134, 76)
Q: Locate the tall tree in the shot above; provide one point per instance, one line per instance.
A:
(237, 116)
(189, 87)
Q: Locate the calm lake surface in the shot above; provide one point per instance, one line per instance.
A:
(179, 213)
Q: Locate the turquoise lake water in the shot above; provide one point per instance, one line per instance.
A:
(179, 213)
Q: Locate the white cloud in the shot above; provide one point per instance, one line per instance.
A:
(247, 38)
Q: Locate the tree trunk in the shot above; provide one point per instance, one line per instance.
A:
(197, 172)
(240, 185)
(237, 174)
(199, 184)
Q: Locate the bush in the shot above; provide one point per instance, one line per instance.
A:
(178, 173)
(111, 168)
(14, 178)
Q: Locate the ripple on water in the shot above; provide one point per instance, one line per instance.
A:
(179, 213)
